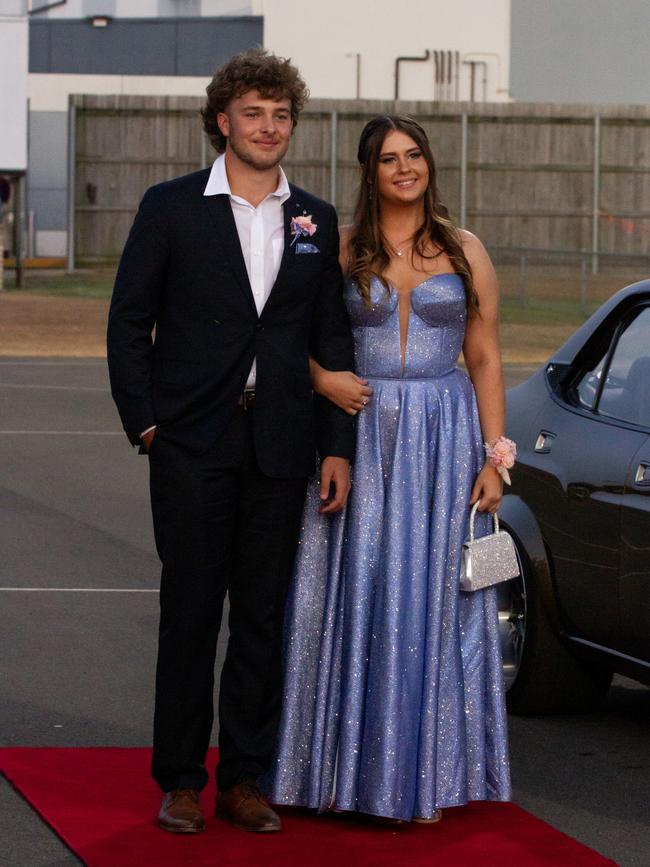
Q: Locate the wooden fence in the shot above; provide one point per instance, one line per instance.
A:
(521, 175)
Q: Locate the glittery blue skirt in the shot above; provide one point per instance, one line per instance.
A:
(393, 697)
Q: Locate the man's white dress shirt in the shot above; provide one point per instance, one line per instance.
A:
(261, 236)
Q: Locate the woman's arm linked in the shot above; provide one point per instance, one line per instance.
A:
(483, 360)
(342, 387)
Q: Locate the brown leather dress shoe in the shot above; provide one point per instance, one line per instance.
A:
(246, 808)
(180, 812)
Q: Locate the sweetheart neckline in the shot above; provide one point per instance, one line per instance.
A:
(426, 280)
(393, 292)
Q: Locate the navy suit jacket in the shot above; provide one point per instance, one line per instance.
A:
(182, 275)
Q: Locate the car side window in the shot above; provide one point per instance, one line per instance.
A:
(587, 389)
(625, 392)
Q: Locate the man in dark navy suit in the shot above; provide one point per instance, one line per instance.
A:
(237, 271)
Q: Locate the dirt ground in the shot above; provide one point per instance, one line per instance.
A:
(54, 326)
(64, 313)
(40, 325)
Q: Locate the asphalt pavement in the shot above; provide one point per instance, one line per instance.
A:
(78, 594)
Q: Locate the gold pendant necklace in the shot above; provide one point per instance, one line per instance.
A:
(399, 249)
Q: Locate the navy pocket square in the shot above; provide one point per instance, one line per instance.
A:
(306, 248)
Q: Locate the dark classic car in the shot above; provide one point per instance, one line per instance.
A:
(579, 512)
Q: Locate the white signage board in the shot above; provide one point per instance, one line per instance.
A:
(14, 46)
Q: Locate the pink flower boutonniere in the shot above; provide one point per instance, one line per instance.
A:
(302, 227)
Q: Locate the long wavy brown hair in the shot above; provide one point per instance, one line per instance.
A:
(368, 250)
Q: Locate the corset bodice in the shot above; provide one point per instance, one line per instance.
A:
(436, 329)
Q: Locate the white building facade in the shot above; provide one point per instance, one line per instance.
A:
(349, 49)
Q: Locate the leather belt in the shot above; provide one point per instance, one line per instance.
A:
(247, 399)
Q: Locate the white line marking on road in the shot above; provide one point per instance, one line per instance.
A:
(64, 433)
(76, 590)
(54, 387)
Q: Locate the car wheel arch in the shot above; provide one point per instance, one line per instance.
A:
(518, 519)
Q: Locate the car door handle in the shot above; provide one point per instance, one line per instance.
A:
(642, 475)
(578, 492)
(544, 442)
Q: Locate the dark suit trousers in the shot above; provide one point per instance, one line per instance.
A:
(221, 526)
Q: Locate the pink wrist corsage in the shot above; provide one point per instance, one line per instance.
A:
(501, 454)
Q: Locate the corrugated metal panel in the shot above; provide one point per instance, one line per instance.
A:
(140, 46)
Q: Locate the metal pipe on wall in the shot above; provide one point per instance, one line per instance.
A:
(473, 55)
(357, 57)
(446, 75)
(45, 8)
(472, 82)
(483, 63)
(72, 152)
(19, 230)
(31, 235)
(404, 59)
(472, 89)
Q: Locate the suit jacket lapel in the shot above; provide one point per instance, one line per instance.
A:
(289, 210)
(224, 220)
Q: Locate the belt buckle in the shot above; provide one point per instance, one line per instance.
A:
(248, 398)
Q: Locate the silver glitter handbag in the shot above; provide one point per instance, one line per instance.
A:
(488, 560)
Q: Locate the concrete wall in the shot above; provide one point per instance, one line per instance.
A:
(581, 51)
(13, 7)
(324, 41)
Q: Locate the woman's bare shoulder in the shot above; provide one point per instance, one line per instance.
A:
(484, 276)
(470, 241)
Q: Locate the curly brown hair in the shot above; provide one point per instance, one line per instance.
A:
(368, 252)
(256, 69)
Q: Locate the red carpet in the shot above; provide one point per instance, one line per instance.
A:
(101, 802)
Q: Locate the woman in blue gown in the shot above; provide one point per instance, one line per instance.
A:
(393, 701)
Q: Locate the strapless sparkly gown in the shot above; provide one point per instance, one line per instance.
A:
(393, 698)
